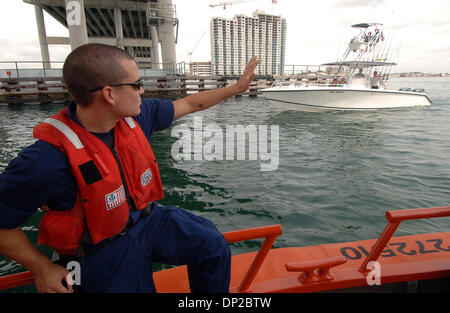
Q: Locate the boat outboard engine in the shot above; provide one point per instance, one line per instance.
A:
(421, 90)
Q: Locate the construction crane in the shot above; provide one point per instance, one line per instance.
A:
(224, 4)
(190, 52)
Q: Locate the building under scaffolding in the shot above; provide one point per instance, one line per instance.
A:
(147, 29)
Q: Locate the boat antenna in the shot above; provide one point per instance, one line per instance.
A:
(388, 51)
(384, 69)
(390, 68)
(380, 53)
(394, 60)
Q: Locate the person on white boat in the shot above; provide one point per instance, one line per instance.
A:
(375, 81)
(359, 74)
(358, 80)
(379, 35)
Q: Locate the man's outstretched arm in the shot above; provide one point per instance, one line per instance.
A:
(206, 99)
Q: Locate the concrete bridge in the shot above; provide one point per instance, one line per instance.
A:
(139, 26)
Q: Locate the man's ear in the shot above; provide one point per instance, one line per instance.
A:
(109, 95)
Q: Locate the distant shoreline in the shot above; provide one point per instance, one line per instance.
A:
(419, 74)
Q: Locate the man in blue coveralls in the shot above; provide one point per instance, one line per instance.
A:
(105, 84)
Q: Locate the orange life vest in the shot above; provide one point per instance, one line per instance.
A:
(102, 203)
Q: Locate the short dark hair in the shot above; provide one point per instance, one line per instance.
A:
(90, 66)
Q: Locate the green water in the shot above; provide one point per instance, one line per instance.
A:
(338, 172)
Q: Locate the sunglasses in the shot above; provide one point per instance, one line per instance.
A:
(138, 85)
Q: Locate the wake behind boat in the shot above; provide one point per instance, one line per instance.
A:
(360, 82)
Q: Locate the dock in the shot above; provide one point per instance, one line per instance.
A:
(45, 90)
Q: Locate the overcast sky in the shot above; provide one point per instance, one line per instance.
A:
(317, 31)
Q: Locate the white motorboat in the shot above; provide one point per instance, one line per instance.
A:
(353, 87)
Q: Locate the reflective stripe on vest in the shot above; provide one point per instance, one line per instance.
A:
(67, 131)
(70, 134)
(130, 122)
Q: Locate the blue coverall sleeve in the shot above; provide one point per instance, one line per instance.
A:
(39, 175)
(156, 115)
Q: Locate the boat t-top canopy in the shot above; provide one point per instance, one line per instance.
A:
(366, 25)
(360, 64)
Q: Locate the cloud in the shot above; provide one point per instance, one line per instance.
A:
(424, 21)
(346, 4)
(20, 49)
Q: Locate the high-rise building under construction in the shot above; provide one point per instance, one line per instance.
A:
(234, 42)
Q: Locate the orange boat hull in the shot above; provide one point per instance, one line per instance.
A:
(406, 258)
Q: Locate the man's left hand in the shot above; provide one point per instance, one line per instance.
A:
(249, 74)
